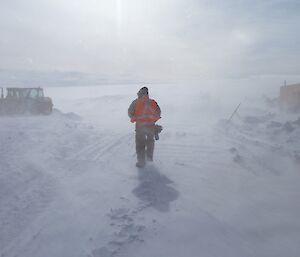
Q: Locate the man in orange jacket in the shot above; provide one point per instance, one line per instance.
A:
(144, 112)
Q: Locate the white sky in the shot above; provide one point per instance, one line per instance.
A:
(152, 39)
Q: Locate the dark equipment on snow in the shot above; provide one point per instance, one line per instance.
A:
(25, 100)
(157, 130)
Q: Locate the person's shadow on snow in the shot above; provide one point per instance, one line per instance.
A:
(154, 189)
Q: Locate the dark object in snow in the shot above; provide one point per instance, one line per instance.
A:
(25, 100)
(255, 120)
(157, 130)
(288, 127)
(272, 102)
(233, 150)
(73, 116)
(238, 158)
(297, 122)
(235, 111)
(297, 157)
(101, 252)
(274, 124)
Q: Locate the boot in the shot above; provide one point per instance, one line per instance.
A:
(140, 164)
(149, 158)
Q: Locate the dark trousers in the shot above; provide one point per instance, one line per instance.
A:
(144, 142)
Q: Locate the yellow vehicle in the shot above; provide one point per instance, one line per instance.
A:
(25, 101)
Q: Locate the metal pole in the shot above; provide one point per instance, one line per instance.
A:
(236, 109)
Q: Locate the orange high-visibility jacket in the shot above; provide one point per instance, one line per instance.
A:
(144, 110)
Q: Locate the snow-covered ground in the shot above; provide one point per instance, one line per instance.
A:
(69, 186)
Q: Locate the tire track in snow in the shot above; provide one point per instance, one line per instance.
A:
(97, 150)
(116, 144)
(29, 192)
(189, 152)
(127, 230)
(88, 152)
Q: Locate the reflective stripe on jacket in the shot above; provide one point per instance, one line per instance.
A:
(145, 110)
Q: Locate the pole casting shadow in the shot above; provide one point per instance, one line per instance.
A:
(154, 189)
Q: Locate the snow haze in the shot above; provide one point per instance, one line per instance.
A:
(69, 185)
(152, 40)
(222, 184)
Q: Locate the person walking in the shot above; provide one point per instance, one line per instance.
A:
(144, 112)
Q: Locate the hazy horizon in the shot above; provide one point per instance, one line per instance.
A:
(157, 40)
